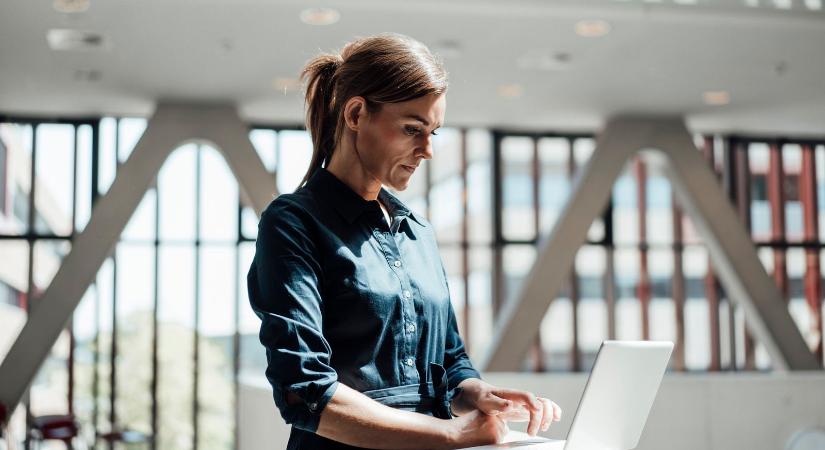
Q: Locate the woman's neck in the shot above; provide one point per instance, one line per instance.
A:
(347, 167)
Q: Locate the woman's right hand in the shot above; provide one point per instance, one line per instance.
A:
(476, 428)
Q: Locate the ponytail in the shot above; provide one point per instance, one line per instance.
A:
(319, 74)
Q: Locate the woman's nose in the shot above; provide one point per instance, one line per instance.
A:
(427, 148)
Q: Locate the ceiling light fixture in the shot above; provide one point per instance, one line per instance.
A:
(592, 28)
(320, 16)
(510, 91)
(716, 97)
(62, 39)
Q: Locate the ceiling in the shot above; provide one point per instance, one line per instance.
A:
(658, 58)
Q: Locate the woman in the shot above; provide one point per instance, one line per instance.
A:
(360, 336)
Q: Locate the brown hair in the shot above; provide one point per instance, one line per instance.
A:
(387, 68)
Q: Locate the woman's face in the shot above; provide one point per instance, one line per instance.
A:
(392, 141)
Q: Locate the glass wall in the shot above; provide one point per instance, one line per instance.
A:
(163, 336)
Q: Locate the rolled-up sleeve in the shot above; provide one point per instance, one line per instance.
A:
(456, 361)
(283, 284)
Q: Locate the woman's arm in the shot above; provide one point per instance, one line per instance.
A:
(355, 419)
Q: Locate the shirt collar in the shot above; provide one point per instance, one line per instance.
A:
(348, 203)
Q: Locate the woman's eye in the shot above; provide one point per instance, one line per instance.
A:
(412, 131)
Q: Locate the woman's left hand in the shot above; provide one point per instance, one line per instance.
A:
(508, 404)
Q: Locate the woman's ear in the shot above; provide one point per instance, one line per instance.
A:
(354, 112)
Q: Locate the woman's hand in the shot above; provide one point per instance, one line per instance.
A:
(507, 404)
(476, 428)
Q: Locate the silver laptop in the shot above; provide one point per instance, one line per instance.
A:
(617, 399)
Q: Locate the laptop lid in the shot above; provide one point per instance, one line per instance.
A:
(618, 395)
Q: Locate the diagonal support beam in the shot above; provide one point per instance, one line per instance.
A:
(171, 126)
(728, 242)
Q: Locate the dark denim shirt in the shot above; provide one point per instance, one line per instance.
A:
(345, 297)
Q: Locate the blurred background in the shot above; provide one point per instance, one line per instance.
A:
(162, 351)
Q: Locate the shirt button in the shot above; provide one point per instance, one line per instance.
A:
(410, 327)
(397, 264)
(313, 406)
(407, 294)
(409, 362)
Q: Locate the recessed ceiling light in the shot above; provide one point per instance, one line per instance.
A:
(716, 97)
(320, 16)
(71, 6)
(592, 28)
(80, 40)
(815, 5)
(286, 85)
(510, 91)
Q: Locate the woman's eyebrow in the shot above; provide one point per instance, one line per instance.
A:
(420, 119)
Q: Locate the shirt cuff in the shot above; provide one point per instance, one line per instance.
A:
(306, 415)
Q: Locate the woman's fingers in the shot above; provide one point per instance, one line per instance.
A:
(556, 412)
(525, 397)
(546, 413)
(534, 406)
(493, 404)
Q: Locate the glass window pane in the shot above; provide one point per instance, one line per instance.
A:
(129, 132)
(265, 143)
(625, 208)
(105, 292)
(554, 187)
(480, 301)
(759, 159)
(479, 187)
(50, 387)
(84, 327)
(294, 155)
(252, 354)
(792, 167)
(55, 179)
(557, 334)
(661, 311)
(819, 153)
(215, 354)
(628, 308)
(446, 209)
(659, 227)
(176, 187)
(107, 157)
(176, 306)
(135, 305)
(249, 223)
(141, 226)
(83, 183)
(48, 255)
(697, 314)
(517, 261)
(446, 162)
(447, 189)
(453, 265)
(218, 198)
(582, 151)
(16, 138)
(518, 215)
(14, 274)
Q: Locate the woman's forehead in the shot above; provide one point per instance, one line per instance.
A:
(429, 110)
